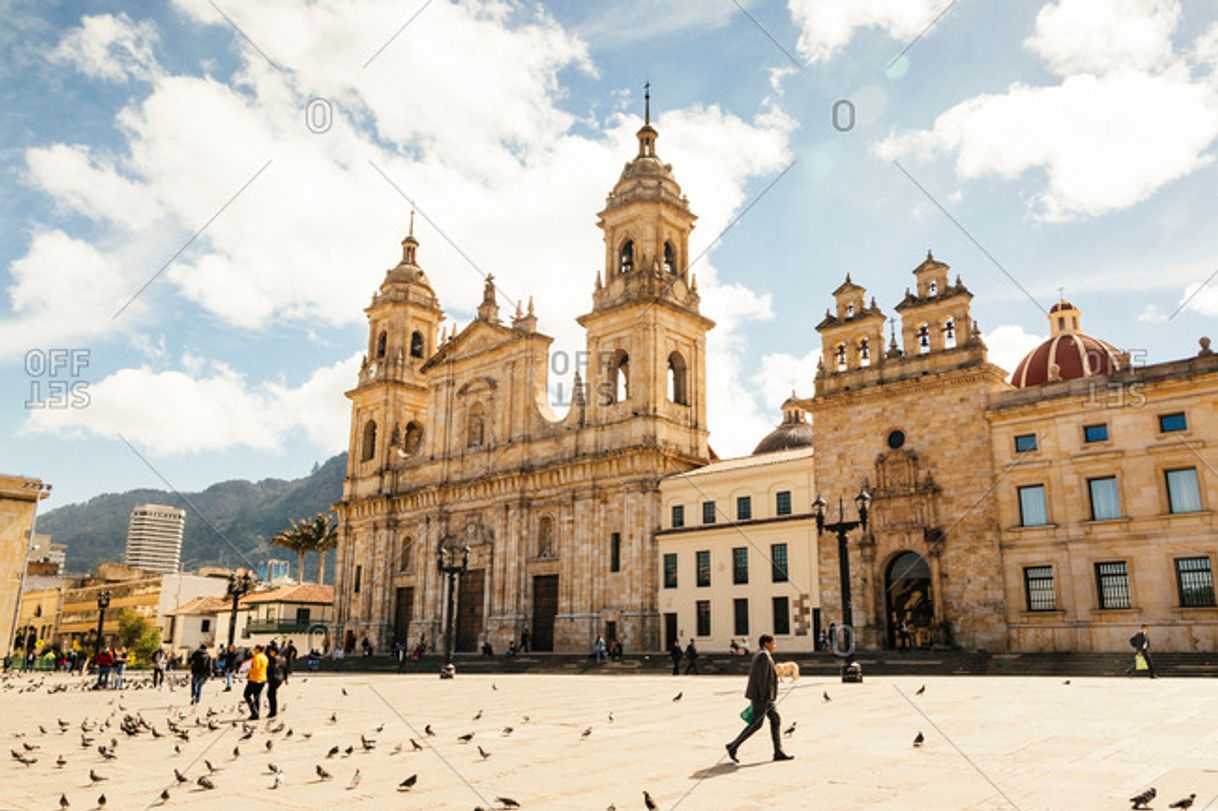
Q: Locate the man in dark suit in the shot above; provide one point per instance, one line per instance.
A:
(1141, 644)
(762, 691)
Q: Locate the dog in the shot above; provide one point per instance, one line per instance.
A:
(788, 670)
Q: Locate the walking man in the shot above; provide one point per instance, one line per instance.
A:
(1141, 646)
(524, 641)
(158, 667)
(255, 680)
(674, 653)
(104, 661)
(276, 674)
(200, 669)
(762, 691)
(229, 659)
(691, 659)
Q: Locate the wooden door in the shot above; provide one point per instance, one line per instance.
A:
(402, 615)
(469, 611)
(545, 606)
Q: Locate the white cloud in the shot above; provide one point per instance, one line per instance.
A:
(1152, 315)
(111, 47)
(782, 373)
(1119, 126)
(630, 21)
(1201, 297)
(1008, 344)
(462, 112)
(827, 26)
(200, 410)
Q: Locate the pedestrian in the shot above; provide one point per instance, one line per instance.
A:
(1141, 647)
(104, 661)
(120, 668)
(599, 650)
(255, 680)
(289, 658)
(762, 693)
(229, 661)
(832, 637)
(158, 667)
(276, 674)
(691, 659)
(524, 641)
(366, 646)
(200, 669)
(674, 653)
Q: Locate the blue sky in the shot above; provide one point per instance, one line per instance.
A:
(1071, 140)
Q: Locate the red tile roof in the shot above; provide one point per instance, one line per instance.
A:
(302, 593)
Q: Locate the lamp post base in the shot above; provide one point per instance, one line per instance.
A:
(852, 672)
(448, 671)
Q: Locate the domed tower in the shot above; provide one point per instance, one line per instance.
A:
(389, 403)
(795, 430)
(646, 336)
(1068, 354)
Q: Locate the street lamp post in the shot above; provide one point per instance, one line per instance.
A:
(238, 587)
(863, 502)
(453, 559)
(103, 602)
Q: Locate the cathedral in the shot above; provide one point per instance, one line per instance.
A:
(1053, 509)
(453, 444)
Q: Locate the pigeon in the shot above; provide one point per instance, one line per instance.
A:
(333, 751)
(1066, 682)
(427, 730)
(466, 738)
(368, 744)
(585, 733)
(181, 778)
(478, 716)
(611, 718)
(506, 731)
(397, 749)
(355, 778)
(278, 779)
(236, 752)
(825, 697)
(920, 690)
(507, 802)
(101, 801)
(322, 773)
(210, 768)
(650, 803)
(677, 697)
(63, 801)
(416, 746)
(269, 743)
(408, 783)
(347, 752)
(94, 777)
(493, 687)
(205, 782)
(1143, 800)
(919, 740)
(1187, 802)
(61, 761)
(789, 731)
(333, 718)
(485, 754)
(344, 689)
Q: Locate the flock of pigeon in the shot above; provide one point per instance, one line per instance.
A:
(184, 728)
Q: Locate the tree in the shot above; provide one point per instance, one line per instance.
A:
(314, 534)
(137, 634)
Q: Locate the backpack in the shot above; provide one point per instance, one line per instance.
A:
(1135, 641)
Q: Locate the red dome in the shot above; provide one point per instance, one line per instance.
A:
(1075, 354)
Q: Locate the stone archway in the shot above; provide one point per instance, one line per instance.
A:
(908, 595)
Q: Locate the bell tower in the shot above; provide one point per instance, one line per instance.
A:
(646, 335)
(389, 403)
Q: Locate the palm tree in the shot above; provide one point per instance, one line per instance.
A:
(314, 534)
(293, 538)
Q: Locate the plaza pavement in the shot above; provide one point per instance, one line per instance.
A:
(991, 743)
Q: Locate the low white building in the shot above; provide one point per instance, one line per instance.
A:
(737, 548)
(191, 624)
(300, 613)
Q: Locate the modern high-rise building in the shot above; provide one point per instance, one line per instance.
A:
(154, 537)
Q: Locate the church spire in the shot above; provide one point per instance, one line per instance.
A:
(647, 103)
(410, 245)
(647, 134)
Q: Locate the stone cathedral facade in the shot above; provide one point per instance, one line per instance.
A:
(452, 440)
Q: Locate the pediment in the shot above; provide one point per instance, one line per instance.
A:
(475, 339)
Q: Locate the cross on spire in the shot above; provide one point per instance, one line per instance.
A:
(647, 102)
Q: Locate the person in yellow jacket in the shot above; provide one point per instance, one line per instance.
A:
(255, 681)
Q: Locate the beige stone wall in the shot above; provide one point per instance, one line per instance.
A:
(17, 505)
(1147, 536)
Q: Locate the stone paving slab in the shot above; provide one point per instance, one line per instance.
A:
(1024, 743)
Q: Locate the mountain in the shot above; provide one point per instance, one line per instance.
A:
(228, 524)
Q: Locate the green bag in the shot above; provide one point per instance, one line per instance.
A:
(747, 714)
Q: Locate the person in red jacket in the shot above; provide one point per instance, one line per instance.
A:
(104, 661)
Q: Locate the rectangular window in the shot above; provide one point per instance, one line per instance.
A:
(744, 508)
(205, 626)
(703, 568)
(1038, 586)
(670, 570)
(1033, 511)
(1195, 579)
(740, 611)
(740, 565)
(1105, 502)
(1173, 422)
(1112, 583)
(703, 608)
(302, 615)
(1183, 492)
(782, 503)
(778, 563)
(1025, 443)
(1095, 433)
(615, 552)
(708, 512)
(782, 616)
(678, 515)
(359, 572)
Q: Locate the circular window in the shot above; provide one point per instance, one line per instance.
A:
(896, 439)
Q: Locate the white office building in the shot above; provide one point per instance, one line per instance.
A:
(154, 537)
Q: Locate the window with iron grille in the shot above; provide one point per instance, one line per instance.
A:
(740, 565)
(1195, 579)
(740, 612)
(782, 503)
(708, 512)
(703, 567)
(1038, 586)
(778, 563)
(670, 570)
(703, 609)
(678, 515)
(782, 616)
(744, 508)
(1112, 584)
